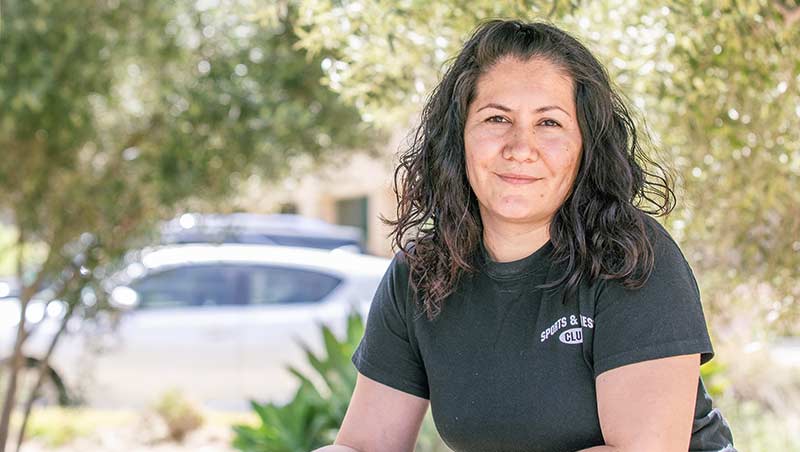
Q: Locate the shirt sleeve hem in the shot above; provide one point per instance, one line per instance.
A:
(388, 378)
(656, 351)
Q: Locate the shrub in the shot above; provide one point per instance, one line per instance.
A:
(180, 416)
(312, 417)
(309, 420)
(57, 426)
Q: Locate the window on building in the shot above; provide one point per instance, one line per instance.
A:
(354, 212)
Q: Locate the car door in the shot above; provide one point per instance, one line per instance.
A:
(183, 334)
(286, 305)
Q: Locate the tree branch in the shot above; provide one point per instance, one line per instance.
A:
(790, 15)
(552, 9)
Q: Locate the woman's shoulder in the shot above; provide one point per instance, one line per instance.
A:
(665, 248)
(669, 268)
(667, 261)
(400, 260)
(398, 273)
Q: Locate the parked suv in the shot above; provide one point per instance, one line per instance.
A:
(220, 322)
(276, 229)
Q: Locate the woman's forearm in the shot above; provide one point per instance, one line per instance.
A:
(336, 448)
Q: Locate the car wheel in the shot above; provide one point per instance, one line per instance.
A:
(51, 392)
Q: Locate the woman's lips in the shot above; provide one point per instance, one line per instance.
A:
(517, 179)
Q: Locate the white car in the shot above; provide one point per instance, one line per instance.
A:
(218, 322)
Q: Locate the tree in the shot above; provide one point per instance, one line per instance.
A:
(718, 85)
(117, 114)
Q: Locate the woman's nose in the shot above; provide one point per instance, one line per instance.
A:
(521, 146)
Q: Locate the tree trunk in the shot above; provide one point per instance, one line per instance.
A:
(42, 370)
(15, 363)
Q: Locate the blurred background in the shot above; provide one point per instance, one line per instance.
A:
(190, 195)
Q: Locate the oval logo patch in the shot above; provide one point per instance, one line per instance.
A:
(571, 336)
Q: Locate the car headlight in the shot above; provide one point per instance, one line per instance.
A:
(9, 313)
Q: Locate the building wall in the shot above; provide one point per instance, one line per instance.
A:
(358, 176)
(315, 194)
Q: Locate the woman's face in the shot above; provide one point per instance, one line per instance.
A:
(522, 142)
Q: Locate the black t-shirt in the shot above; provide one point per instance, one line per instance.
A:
(509, 367)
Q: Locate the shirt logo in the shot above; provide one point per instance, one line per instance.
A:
(571, 336)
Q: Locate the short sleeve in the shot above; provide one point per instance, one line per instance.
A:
(388, 352)
(661, 319)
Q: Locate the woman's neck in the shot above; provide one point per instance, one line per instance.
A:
(514, 242)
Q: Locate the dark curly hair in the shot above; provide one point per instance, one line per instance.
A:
(599, 230)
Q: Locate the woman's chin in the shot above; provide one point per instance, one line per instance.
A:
(517, 216)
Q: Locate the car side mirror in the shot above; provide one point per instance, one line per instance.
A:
(124, 298)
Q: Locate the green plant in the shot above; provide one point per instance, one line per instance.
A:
(59, 426)
(312, 417)
(302, 424)
(714, 377)
(179, 415)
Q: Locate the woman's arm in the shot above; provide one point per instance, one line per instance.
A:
(648, 405)
(379, 419)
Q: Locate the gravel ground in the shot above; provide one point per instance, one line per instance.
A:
(96, 431)
(129, 440)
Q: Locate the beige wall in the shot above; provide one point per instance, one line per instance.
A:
(356, 176)
(315, 193)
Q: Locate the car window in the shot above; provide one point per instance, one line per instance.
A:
(281, 285)
(192, 285)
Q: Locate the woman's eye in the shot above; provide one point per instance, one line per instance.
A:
(496, 119)
(550, 123)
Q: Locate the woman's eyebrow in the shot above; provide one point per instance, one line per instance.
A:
(551, 107)
(502, 107)
(493, 105)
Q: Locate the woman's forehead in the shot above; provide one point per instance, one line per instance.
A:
(512, 80)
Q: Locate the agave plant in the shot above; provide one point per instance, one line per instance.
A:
(300, 425)
(311, 418)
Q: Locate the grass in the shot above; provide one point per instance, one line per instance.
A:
(55, 427)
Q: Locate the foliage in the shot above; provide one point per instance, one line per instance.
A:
(759, 429)
(713, 375)
(117, 115)
(719, 85)
(179, 415)
(303, 424)
(59, 426)
(312, 417)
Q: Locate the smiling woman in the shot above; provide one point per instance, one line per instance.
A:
(535, 304)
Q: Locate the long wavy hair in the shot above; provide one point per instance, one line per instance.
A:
(599, 230)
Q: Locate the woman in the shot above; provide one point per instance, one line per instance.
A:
(538, 307)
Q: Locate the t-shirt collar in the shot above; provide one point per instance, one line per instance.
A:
(518, 268)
